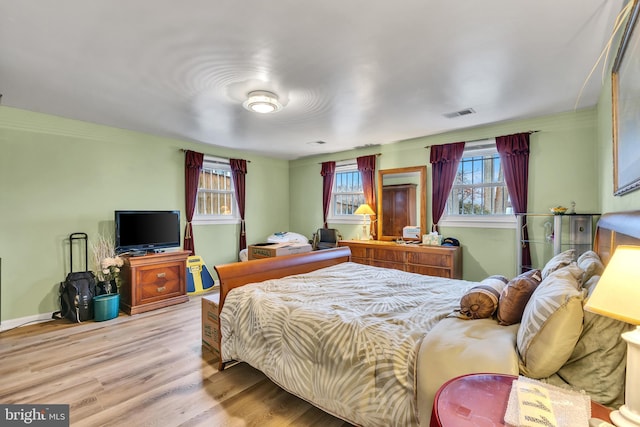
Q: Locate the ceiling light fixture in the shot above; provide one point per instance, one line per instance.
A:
(261, 101)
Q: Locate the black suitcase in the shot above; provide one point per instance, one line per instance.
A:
(78, 289)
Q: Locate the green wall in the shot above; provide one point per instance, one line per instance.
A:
(59, 176)
(562, 168)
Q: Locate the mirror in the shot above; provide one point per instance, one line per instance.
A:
(402, 201)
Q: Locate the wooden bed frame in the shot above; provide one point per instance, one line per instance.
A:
(613, 229)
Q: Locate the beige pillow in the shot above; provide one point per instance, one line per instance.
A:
(561, 260)
(481, 301)
(515, 295)
(551, 323)
(591, 264)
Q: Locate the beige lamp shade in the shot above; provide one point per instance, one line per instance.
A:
(364, 209)
(617, 294)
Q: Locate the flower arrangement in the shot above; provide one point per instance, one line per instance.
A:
(106, 263)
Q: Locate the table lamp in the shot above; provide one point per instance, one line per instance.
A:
(364, 210)
(617, 295)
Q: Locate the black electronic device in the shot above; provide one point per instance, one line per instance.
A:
(146, 231)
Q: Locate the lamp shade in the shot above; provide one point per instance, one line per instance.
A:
(618, 291)
(364, 209)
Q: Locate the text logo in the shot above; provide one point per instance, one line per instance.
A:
(34, 415)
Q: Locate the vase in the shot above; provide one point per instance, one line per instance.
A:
(106, 287)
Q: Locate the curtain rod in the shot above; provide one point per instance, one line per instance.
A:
(344, 160)
(484, 139)
(184, 150)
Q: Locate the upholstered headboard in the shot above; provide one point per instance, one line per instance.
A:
(616, 228)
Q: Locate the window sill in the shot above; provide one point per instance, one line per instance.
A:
(214, 221)
(347, 219)
(479, 221)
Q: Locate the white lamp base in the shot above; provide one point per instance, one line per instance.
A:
(629, 414)
(365, 232)
(624, 418)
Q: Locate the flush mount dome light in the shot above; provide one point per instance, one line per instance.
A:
(261, 101)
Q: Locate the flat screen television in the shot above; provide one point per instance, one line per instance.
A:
(146, 231)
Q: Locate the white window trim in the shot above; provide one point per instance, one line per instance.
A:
(343, 166)
(479, 221)
(211, 219)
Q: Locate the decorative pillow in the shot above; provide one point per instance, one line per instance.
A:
(551, 323)
(591, 264)
(590, 285)
(481, 301)
(561, 260)
(597, 363)
(515, 295)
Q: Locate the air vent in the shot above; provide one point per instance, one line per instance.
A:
(460, 113)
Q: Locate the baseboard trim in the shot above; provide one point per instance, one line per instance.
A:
(23, 321)
(5, 325)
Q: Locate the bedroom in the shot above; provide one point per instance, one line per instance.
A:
(60, 175)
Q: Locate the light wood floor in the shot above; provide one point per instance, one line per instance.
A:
(142, 370)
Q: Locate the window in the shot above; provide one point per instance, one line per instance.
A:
(347, 193)
(479, 196)
(216, 203)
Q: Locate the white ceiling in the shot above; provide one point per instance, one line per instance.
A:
(351, 72)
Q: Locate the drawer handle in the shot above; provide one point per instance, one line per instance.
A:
(162, 288)
(159, 275)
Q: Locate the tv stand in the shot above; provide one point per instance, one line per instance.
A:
(153, 281)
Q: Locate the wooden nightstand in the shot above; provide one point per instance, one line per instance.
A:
(481, 399)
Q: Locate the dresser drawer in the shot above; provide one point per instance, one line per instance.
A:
(430, 271)
(360, 260)
(159, 282)
(394, 256)
(388, 264)
(358, 252)
(430, 258)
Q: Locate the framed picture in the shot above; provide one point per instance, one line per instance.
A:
(626, 109)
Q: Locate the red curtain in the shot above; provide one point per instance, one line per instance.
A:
(328, 172)
(239, 170)
(367, 168)
(444, 165)
(514, 155)
(192, 167)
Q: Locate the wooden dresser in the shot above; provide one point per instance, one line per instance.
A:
(442, 261)
(153, 281)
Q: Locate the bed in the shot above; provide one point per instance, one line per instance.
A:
(372, 345)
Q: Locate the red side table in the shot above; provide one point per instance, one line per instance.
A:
(481, 400)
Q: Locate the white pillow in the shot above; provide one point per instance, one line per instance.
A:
(551, 323)
(558, 261)
(591, 264)
(287, 237)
